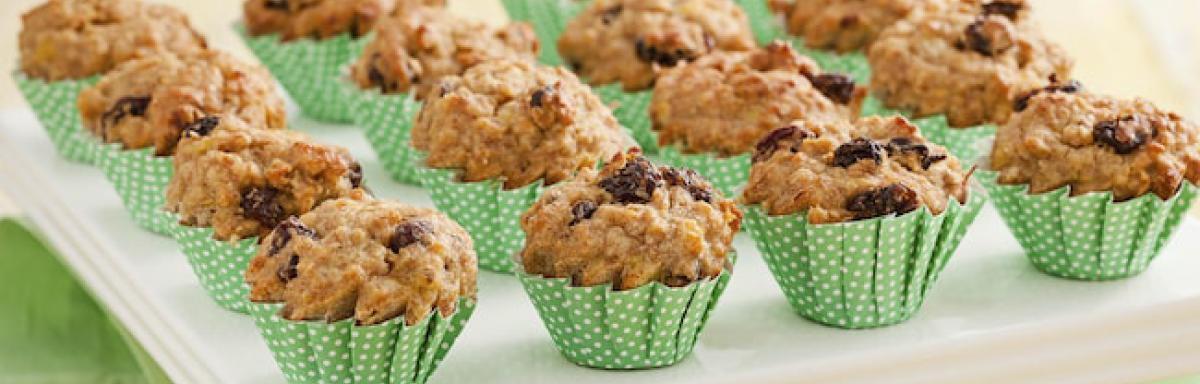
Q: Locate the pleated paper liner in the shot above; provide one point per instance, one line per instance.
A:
(56, 107)
(1088, 237)
(310, 70)
(220, 266)
(967, 144)
(140, 179)
(342, 352)
(490, 213)
(387, 121)
(646, 327)
(864, 273)
(727, 174)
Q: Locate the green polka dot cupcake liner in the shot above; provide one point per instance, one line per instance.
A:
(1090, 236)
(860, 274)
(646, 327)
(768, 27)
(727, 174)
(632, 110)
(140, 179)
(968, 144)
(56, 106)
(490, 213)
(220, 266)
(343, 352)
(310, 70)
(387, 121)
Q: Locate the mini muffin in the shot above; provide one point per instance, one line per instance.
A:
(838, 172)
(725, 102)
(72, 39)
(243, 182)
(630, 41)
(148, 103)
(517, 121)
(319, 19)
(631, 224)
(841, 25)
(370, 260)
(968, 62)
(1062, 136)
(412, 50)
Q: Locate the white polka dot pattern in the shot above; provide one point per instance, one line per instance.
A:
(140, 179)
(341, 352)
(650, 326)
(1088, 237)
(54, 104)
(491, 214)
(860, 274)
(220, 266)
(387, 122)
(727, 174)
(310, 70)
(548, 18)
(768, 27)
(632, 111)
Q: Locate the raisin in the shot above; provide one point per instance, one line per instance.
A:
(858, 149)
(444, 88)
(651, 54)
(1005, 8)
(538, 98)
(125, 106)
(202, 127)
(262, 204)
(1022, 101)
(976, 40)
(291, 270)
(904, 145)
(279, 5)
(581, 211)
(837, 87)
(928, 161)
(770, 143)
(634, 183)
(355, 174)
(408, 233)
(691, 181)
(892, 199)
(284, 231)
(611, 14)
(1121, 135)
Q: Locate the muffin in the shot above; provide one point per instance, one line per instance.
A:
(722, 104)
(841, 25)
(317, 19)
(631, 41)
(856, 221)
(386, 283)
(653, 243)
(66, 44)
(968, 62)
(1121, 171)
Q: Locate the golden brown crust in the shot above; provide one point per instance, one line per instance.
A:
(841, 25)
(321, 19)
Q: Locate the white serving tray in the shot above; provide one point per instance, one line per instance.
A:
(992, 317)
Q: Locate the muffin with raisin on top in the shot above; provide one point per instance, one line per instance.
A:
(842, 25)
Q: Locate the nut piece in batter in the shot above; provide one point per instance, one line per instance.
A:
(838, 172)
(373, 260)
(71, 39)
(968, 62)
(1064, 136)
(516, 120)
(631, 224)
(414, 49)
(842, 25)
(321, 19)
(630, 41)
(242, 182)
(725, 102)
(148, 103)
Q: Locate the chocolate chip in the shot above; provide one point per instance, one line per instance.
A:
(537, 99)
(1008, 9)
(837, 87)
(202, 127)
(634, 183)
(125, 106)
(1022, 102)
(858, 149)
(691, 181)
(976, 40)
(652, 54)
(261, 204)
(895, 198)
(355, 173)
(408, 233)
(291, 270)
(282, 234)
(581, 211)
(611, 14)
(1121, 135)
(770, 143)
(280, 5)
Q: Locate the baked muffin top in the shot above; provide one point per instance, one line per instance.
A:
(321, 19)
(149, 102)
(726, 101)
(242, 182)
(71, 39)
(840, 171)
(518, 121)
(1063, 136)
(967, 62)
(841, 25)
(373, 260)
(414, 49)
(630, 224)
(629, 41)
